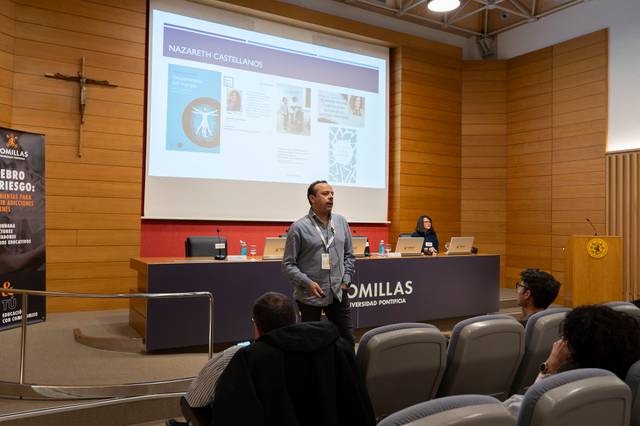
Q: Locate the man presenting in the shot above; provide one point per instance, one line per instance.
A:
(318, 261)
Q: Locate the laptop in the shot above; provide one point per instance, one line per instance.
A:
(273, 248)
(460, 245)
(359, 244)
(409, 246)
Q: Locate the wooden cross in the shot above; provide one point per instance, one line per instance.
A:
(82, 79)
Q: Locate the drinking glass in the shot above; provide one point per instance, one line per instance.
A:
(252, 251)
(387, 249)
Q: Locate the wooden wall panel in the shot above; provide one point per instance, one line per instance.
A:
(484, 155)
(425, 151)
(7, 44)
(579, 140)
(556, 138)
(529, 163)
(93, 202)
(622, 205)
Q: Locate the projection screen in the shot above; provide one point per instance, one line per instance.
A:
(243, 113)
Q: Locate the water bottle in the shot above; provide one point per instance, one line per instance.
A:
(381, 249)
(243, 248)
(367, 252)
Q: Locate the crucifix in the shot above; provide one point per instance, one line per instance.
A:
(82, 80)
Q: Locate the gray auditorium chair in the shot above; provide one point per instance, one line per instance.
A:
(626, 307)
(583, 397)
(204, 246)
(402, 364)
(483, 356)
(459, 410)
(633, 381)
(543, 328)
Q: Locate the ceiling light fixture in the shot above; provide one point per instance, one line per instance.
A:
(442, 5)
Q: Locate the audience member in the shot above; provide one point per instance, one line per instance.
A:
(271, 310)
(593, 336)
(536, 291)
(293, 374)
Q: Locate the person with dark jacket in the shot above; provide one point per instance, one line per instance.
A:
(299, 375)
(292, 375)
(424, 229)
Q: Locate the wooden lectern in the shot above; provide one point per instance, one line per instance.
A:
(593, 269)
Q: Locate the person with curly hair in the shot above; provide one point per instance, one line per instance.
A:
(595, 336)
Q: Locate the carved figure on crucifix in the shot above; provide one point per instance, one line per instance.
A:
(82, 80)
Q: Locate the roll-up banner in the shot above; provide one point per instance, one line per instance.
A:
(22, 249)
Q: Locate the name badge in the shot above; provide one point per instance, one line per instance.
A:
(326, 262)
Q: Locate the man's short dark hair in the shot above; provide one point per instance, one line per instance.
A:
(273, 310)
(543, 287)
(312, 189)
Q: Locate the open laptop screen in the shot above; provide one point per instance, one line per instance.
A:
(359, 245)
(460, 245)
(408, 246)
(273, 248)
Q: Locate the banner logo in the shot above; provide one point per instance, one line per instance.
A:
(8, 304)
(12, 149)
(6, 285)
(12, 141)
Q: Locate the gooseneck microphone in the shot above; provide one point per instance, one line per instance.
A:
(595, 232)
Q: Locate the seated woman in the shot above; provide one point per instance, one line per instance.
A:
(424, 229)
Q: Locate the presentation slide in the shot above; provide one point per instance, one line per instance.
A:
(232, 109)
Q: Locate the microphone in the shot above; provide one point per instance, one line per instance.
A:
(595, 232)
(218, 231)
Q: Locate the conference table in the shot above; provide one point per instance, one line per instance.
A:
(385, 290)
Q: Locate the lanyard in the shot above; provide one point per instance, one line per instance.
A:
(326, 244)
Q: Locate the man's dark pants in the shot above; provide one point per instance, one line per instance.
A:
(339, 313)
